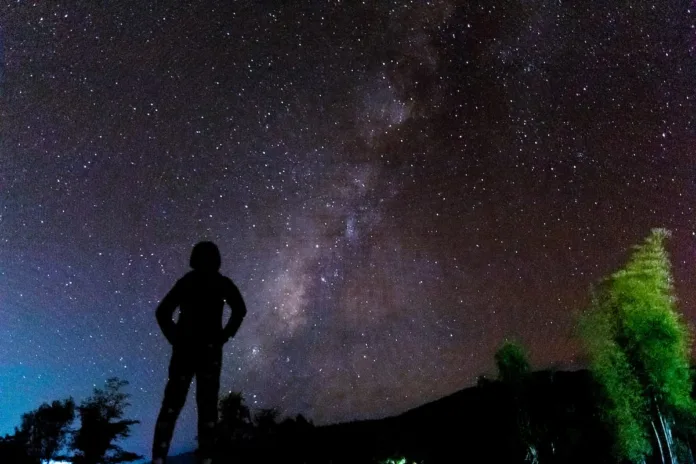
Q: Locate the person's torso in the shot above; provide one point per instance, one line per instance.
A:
(202, 304)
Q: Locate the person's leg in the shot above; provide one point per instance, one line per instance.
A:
(207, 390)
(181, 369)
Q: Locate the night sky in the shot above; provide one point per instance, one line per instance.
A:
(395, 187)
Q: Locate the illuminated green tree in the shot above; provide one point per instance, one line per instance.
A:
(513, 371)
(639, 351)
(511, 361)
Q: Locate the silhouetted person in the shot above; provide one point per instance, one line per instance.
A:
(197, 339)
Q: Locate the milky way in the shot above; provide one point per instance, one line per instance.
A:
(395, 187)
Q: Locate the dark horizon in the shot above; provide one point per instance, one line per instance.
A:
(395, 189)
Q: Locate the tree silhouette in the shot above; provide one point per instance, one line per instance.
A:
(243, 436)
(13, 448)
(640, 348)
(102, 424)
(295, 441)
(235, 424)
(47, 428)
(265, 421)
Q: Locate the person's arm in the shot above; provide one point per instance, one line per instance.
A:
(236, 302)
(165, 312)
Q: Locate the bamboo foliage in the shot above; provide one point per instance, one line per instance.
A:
(639, 347)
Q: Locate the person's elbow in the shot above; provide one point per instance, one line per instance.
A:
(163, 311)
(159, 314)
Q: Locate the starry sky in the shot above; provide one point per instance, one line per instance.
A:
(395, 187)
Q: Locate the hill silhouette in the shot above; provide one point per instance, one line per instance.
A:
(477, 424)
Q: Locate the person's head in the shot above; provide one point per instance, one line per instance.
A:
(205, 257)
